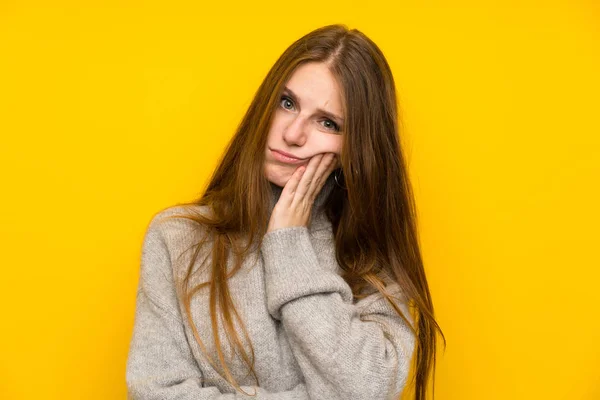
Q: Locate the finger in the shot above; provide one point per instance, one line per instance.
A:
(287, 194)
(333, 166)
(306, 179)
(323, 171)
(338, 162)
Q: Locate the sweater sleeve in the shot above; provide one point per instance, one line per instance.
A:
(346, 350)
(160, 364)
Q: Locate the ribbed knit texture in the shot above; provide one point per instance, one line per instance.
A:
(310, 340)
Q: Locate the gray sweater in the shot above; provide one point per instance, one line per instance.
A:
(310, 339)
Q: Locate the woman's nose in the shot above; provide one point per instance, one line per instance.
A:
(295, 132)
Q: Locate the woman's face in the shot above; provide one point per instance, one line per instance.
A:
(307, 121)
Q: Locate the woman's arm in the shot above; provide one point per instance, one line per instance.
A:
(345, 350)
(160, 364)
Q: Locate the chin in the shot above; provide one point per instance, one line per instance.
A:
(278, 181)
(277, 175)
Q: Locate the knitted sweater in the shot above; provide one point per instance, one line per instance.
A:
(311, 340)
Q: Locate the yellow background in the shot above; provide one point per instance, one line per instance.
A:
(110, 111)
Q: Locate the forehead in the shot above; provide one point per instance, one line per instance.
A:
(316, 87)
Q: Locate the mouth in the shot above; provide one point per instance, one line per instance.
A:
(286, 157)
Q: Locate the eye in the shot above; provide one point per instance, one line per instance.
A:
(332, 125)
(283, 101)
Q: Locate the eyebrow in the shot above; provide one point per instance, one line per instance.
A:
(325, 112)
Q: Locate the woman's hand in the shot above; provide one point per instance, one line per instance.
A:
(297, 198)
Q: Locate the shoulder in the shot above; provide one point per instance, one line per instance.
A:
(176, 227)
(170, 237)
(177, 219)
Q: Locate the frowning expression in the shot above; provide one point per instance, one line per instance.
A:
(308, 120)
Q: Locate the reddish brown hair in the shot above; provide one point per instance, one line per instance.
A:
(373, 219)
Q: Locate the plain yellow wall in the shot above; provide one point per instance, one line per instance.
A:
(111, 112)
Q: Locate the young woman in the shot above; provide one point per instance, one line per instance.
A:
(296, 274)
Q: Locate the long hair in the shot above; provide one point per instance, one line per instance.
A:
(372, 211)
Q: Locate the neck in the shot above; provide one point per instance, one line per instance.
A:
(317, 208)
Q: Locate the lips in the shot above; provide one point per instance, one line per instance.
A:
(288, 154)
(286, 157)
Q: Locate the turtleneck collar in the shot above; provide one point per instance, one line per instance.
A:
(318, 203)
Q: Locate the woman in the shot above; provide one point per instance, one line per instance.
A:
(292, 275)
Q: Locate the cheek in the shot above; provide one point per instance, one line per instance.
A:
(337, 149)
(335, 146)
(277, 125)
